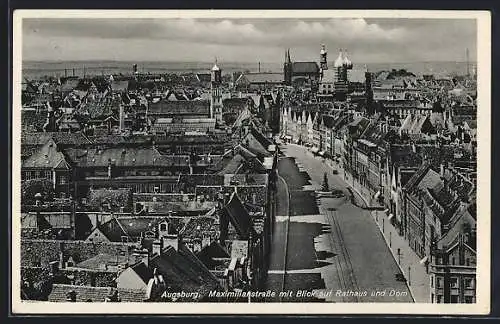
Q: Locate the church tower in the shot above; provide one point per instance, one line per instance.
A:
(323, 58)
(287, 68)
(216, 94)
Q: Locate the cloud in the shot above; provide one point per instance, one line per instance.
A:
(250, 39)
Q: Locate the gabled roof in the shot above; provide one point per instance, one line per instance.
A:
(211, 252)
(48, 156)
(238, 216)
(328, 121)
(252, 142)
(183, 271)
(142, 271)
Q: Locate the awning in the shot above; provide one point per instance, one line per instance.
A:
(377, 195)
(391, 216)
(424, 260)
(321, 153)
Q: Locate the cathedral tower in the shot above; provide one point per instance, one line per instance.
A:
(287, 68)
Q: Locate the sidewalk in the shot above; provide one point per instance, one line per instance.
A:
(415, 273)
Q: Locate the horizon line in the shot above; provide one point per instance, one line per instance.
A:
(227, 62)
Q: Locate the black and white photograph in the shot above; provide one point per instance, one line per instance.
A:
(251, 161)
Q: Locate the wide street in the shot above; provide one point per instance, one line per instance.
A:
(326, 248)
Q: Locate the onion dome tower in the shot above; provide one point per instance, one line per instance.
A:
(323, 58)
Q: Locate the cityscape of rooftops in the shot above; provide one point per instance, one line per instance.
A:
(249, 160)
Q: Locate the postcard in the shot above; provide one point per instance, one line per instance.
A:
(251, 162)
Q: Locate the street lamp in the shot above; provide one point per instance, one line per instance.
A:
(409, 275)
(390, 239)
(399, 256)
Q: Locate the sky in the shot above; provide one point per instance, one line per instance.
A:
(248, 40)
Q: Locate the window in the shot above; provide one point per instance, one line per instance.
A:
(467, 262)
(439, 282)
(439, 299)
(468, 299)
(454, 299)
(432, 298)
(62, 179)
(454, 282)
(469, 283)
(163, 227)
(453, 260)
(432, 281)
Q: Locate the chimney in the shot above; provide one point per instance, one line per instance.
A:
(142, 255)
(171, 240)
(156, 247)
(110, 173)
(61, 260)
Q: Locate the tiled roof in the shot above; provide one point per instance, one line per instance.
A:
(142, 271)
(94, 294)
(48, 156)
(233, 165)
(126, 157)
(133, 228)
(402, 155)
(30, 118)
(96, 262)
(238, 216)
(264, 77)
(198, 226)
(202, 179)
(305, 67)
(60, 138)
(183, 271)
(175, 108)
(209, 252)
(116, 198)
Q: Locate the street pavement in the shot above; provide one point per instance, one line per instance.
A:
(332, 249)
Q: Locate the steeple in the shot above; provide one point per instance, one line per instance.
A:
(287, 68)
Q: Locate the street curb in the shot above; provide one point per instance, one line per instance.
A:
(386, 241)
(287, 232)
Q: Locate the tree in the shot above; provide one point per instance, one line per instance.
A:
(325, 186)
(30, 188)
